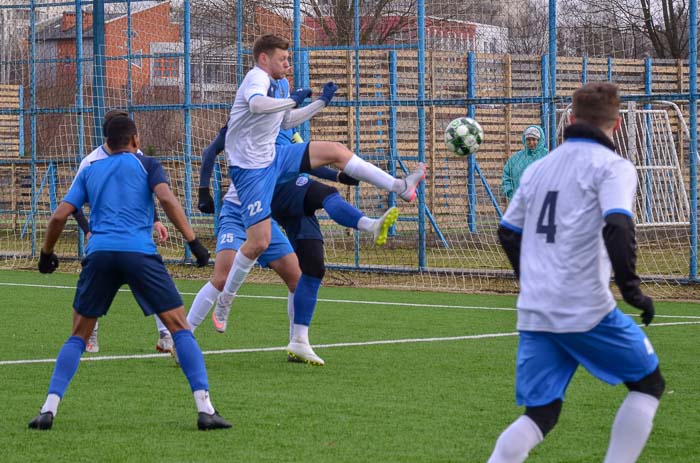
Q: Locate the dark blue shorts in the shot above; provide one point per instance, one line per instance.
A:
(288, 211)
(104, 272)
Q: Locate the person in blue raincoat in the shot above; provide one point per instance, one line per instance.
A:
(535, 147)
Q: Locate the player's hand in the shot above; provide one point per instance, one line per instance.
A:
(345, 179)
(644, 303)
(161, 231)
(206, 202)
(200, 252)
(328, 91)
(300, 94)
(48, 262)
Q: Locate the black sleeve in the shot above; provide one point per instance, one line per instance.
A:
(621, 243)
(155, 214)
(510, 242)
(82, 221)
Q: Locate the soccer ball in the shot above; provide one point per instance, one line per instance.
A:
(463, 136)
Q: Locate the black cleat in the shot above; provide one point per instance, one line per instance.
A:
(206, 422)
(42, 421)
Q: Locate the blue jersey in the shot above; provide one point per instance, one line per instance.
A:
(119, 189)
(280, 89)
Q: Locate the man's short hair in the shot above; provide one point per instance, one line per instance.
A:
(267, 44)
(597, 103)
(120, 129)
(111, 114)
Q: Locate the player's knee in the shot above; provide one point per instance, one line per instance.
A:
(652, 384)
(311, 262)
(546, 416)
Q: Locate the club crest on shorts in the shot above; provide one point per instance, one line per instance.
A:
(302, 180)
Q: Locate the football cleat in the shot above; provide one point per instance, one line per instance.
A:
(207, 422)
(165, 343)
(173, 353)
(220, 315)
(303, 352)
(92, 346)
(382, 225)
(42, 421)
(293, 359)
(412, 181)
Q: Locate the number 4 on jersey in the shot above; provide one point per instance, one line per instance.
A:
(549, 208)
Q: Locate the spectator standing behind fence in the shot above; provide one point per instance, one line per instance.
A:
(534, 149)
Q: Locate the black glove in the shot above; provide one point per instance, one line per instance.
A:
(345, 179)
(200, 252)
(300, 94)
(206, 202)
(644, 303)
(48, 263)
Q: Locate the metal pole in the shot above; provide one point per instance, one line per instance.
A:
(552, 73)
(188, 116)
(421, 133)
(32, 113)
(471, 161)
(296, 45)
(79, 103)
(693, 90)
(98, 72)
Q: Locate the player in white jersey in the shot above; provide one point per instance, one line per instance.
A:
(570, 219)
(255, 165)
(165, 340)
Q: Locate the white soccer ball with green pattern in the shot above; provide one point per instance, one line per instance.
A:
(464, 136)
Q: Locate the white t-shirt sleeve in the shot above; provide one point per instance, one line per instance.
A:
(514, 218)
(618, 184)
(257, 84)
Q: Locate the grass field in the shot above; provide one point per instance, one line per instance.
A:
(409, 377)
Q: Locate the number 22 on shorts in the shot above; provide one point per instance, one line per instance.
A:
(254, 208)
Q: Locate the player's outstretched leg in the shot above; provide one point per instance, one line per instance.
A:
(380, 227)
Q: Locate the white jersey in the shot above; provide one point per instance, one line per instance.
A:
(95, 155)
(560, 209)
(250, 138)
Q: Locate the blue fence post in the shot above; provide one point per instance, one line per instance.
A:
(296, 48)
(693, 109)
(610, 69)
(130, 86)
(188, 116)
(544, 107)
(471, 161)
(239, 42)
(422, 239)
(79, 100)
(304, 81)
(647, 139)
(32, 114)
(52, 180)
(552, 74)
(393, 148)
(356, 33)
(584, 69)
(99, 69)
(21, 121)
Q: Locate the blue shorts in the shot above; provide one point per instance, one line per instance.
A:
(288, 211)
(104, 272)
(256, 187)
(232, 235)
(615, 351)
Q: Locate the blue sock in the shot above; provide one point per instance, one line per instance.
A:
(191, 360)
(67, 364)
(305, 298)
(341, 212)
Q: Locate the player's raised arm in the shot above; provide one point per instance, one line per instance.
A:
(298, 116)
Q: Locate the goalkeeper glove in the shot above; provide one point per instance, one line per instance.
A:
(206, 202)
(644, 303)
(48, 262)
(300, 94)
(345, 179)
(328, 91)
(200, 252)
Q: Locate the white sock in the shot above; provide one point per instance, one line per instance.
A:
(632, 427)
(367, 172)
(365, 224)
(201, 398)
(51, 404)
(160, 325)
(290, 313)
(301, 333)
(203, 301)
(236, 276)
(516, 441)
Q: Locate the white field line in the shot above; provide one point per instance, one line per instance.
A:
(317, 346)
(349, 301)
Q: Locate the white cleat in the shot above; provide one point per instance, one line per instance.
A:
(303, 352)
(412, 181)
(92, 346)
(383, 224)
(165, 343)
(220, 315)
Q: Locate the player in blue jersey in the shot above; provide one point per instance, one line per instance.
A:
(569, 222)
(294, 204)
(256, 164)
(120, 191)
(165, 340)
